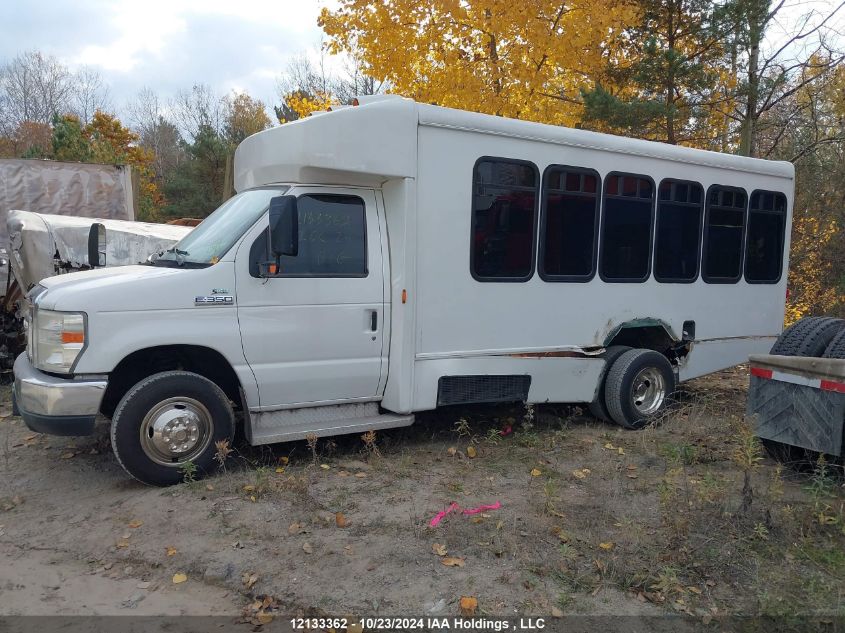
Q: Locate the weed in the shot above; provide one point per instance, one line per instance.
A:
(369, 439)
(222, 452)
(493, 436)
(311, 440)
(761, 531)
(462, 428)
(528, 417)
(189, 472)
(686, 454)
(747, 456)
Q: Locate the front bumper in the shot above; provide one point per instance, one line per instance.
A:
(57, 406)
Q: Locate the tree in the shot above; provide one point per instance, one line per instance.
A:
(244, 116)
(90, 94)
(157, 134)
(671, 74)
(773, 73)
(33, 87)
(511, 59)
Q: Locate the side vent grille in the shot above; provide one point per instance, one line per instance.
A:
(471, 389)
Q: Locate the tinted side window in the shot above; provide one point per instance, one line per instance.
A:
(332, 240)
(680, 205)
(723, 234)
(569, 224)
(504, 202)
(764, 245)
(626, 228)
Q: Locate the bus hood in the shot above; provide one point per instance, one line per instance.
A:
(136, 288)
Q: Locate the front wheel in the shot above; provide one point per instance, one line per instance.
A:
(167, 421)
(638, 387)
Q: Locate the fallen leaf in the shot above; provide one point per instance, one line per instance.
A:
(694, 589)
(620, 450)
(579, 474)
(610, 446)
(209, 487)
(67, 455)
(179, 578)
(631, 467)
(143, 585)
(343, 473)
(471, 452)
(171, 551)
(135, 524)
(439, 549)
(340, 520)
(451, 450)
(264, 617)
(122, 543)
(360, 475)
(280, 470)
(284, 461)
(355, 627)
(249, 488)
(607, 546)
(306, 547)
(451, 561)
(325, 466)
(632, 475)
(296, 528)
(249, 579)
(536, 472)
(557, 613)
(468, 606)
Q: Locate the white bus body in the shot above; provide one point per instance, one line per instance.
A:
(444, 257)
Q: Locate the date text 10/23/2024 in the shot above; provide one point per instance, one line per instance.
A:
(478, 625)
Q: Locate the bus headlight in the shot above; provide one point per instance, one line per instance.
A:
(58, 339)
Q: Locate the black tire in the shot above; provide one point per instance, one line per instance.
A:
(836, 347)
(812, 337)
(808, 337)
(598, 407)
(171, 406)
(621, 394)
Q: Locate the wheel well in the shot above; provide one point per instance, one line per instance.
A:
(195, 358)
(653, 337)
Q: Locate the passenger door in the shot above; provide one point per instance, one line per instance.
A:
(313, 334)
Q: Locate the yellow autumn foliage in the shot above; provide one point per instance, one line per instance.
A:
(523, 60)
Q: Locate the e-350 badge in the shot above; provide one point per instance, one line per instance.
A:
(216, 300)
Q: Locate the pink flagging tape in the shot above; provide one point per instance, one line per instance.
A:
(440, 515)
(494, 506)
(453, 507)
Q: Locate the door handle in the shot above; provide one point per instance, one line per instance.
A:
(373, 320)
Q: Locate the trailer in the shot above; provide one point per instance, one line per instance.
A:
(797, 393)
(394, 257)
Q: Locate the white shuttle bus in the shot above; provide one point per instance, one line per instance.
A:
(394, 257)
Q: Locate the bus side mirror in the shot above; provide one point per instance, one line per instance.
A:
(284, 226)
(97, 245)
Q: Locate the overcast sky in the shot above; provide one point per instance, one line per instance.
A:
(167, 44)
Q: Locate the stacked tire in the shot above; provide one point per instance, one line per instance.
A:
(814, 337)
(636, 387)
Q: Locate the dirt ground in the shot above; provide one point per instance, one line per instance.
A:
(592, 519)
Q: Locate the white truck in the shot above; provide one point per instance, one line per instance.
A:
(392, 257)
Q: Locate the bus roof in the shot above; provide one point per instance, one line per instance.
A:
(377, 141)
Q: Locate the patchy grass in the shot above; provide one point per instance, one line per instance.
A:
(686, 516)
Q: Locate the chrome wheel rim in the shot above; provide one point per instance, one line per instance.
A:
(648, 391)
(176, 431)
